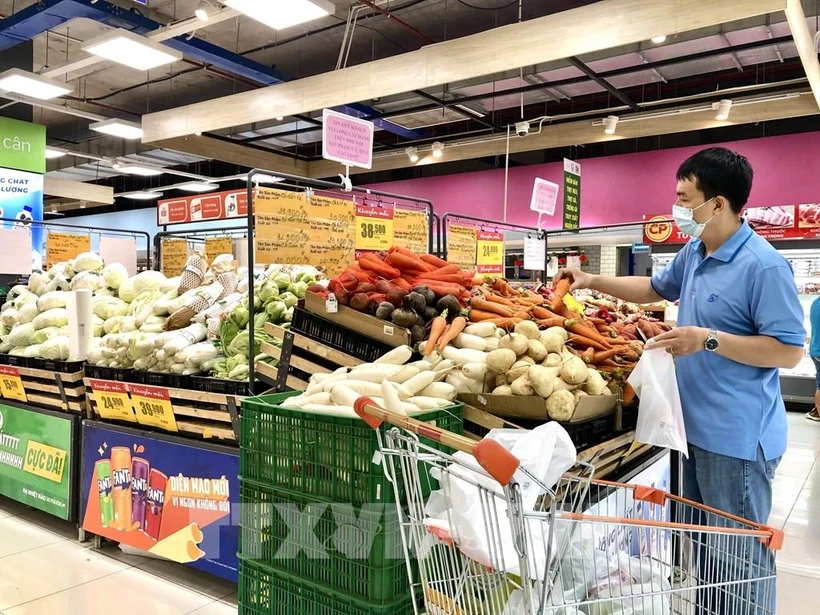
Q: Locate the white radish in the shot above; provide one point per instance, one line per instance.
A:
(419, 382)
(401, 390)
(392, 401)
(328, 409)
(343, 396)
(441, 390)
(362, 387)
(421, 365)
(459, 380)
(465, 340)
(481, 329)
(492, 343)
(374, 373)
(476, 371)
(462, 356)
(397, 356)
(406, 374)
(444, 366)
(458, 383)
(428, 403)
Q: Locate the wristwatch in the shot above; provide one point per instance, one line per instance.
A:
(711, 344)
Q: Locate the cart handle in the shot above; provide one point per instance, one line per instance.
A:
(496, 460)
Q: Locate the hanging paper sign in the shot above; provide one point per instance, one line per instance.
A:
(490, 252)
(282, 227)
(535, 253)
(374, 228)
(61, 247)
(174, 256)
(347, 139)
(544, 197)
(410, 230)
(461, 246)
(214, 246)
(112, 400)
(332, 228)
(572, 194)
(574, 261)
(11, 386)
(152, 406)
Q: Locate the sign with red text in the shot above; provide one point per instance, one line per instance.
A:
(347, 140)
(203, 207)
(490, 252)
(544, 197)
(374, 228)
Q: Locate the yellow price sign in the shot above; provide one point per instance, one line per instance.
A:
(374, 228)
(11, 386)
(62, 247)
(216, 246)
(490, 252)
(152, 405)
(112, 400)
(174, 256)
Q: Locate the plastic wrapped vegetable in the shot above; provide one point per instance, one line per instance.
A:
(196, 354)
(140, 283)
(9, 317)
(21, 335)
(88, 280)
(114, 275)
(57, 282)
(27, 312)
(37, 282)
(54, 299)
(52, 318)
(55, 349)
(184, 338)
(42, 335)
(87, 261)
(29, 352)
(109, 307)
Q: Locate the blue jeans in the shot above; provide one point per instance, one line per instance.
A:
(744, 489)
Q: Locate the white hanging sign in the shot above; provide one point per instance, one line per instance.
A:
(535, 253)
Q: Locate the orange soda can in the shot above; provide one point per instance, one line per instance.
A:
(121, 487)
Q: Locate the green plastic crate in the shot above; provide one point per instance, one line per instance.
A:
(355, 550)
(320, 455)
(263, 591)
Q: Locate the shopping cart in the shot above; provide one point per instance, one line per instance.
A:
(587, 547)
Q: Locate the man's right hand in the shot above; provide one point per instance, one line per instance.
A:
(579, 279)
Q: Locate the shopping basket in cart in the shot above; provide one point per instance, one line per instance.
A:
(587, 547)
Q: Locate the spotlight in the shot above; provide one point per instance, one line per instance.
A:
(610, 123)
(661, 38)
(412, 154)
(438, 149)
(203, 10)
(723, 108)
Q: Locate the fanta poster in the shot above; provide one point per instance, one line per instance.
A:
(21, 203)
(165, 496)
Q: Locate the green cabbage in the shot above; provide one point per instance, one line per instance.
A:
(289, 299)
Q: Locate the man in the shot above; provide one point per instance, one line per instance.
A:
(814, 352)
(739, 321)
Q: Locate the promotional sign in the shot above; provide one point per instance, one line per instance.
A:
(214, 246)
(152, 405)
(203, 207)
(374, 228)
(21, 199)
(61, 247)
(36, 459)
(410, 230)
(121, 250)
(346, 139)
(22, 146)
(572, 194)
(174, 256)
(162, 495)
(112, 400)
(461, 246)
(11, 386)
(544, 197)
(659, 228)
(490, 252)
(535, 253)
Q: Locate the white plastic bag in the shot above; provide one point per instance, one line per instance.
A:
(660, 415)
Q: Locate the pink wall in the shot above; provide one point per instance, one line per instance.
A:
(624, 188)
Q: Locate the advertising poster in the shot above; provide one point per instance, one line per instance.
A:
(203, 207)
(36, 460)
(162, 495)
(572, 194)
(21, 199)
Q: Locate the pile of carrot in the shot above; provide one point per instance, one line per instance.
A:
(442, 333)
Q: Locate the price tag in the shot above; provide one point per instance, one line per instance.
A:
(374, 228)
(112, 400)
(10, 384)
(490, 252)
(216, 246)
(152, 405)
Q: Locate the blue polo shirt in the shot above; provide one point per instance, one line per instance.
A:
(744, 288)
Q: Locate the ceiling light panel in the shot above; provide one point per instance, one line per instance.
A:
(118, 128)
(197, 187)
(281, 15)
(135, 169)
(28, 84)
(52, 153)
(132, 50)
(142, 196)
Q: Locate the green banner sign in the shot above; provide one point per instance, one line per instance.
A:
(35, 459)
(22, 146)
(572, 194)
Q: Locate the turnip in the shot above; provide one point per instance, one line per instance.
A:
(542, 379)
(574, 371)
(559, 331)
(595, 383)
(516, 342)
(553, 360)
(561, 406)
(501, 360)
(552, 341)
(528, 329)
(518, 369)
(503, 390)
(536, 351)
(522, 386)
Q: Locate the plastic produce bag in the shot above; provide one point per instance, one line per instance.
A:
(660, 415)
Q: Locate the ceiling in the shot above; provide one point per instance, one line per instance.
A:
(751, 57)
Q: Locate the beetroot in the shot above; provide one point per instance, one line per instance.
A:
(360, 302)
(396, 296)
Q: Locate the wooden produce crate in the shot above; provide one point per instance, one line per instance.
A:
(55, 385)
(299, 356)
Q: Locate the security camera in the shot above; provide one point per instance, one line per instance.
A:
(522, 129)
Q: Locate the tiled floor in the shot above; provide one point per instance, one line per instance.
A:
(43, 570)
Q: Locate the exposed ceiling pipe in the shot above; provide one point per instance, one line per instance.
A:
(399, 22)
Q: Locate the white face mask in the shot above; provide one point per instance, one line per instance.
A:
(685, 219)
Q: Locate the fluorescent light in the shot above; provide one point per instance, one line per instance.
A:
(412, 154)
(52, 153)
(438, 149)
(133, 50)
(196, 187)
(610, 124)
(142, 195)
(470, 110)
(723, 108)
(660, 38)
(262, 178)
(281, 15)
(28, 84)
(279, 118)
(203, 10)
(137, 169)
(118, 128)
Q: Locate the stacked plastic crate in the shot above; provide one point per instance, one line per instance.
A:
(320, 531)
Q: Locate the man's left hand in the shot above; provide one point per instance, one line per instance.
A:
(681, 341)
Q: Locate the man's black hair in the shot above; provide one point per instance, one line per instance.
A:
(718, 171)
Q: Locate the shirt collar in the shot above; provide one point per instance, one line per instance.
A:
(730, 247)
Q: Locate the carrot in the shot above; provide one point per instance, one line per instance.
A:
(360, 274)
(449, 278)
(480, 315)
(603, 355)
(456, 327)
(437, 328)
(594, 336)
(402, 283)
(444, 288)
(629, 394)
(435, 261)
(505, 323)
(561, 289)
(556, 321)
(522, 314)
(370, 262)
(588, 355)
(542, 313)
(406, 263)
(500, 300)
(585, 342)
(489, 306)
